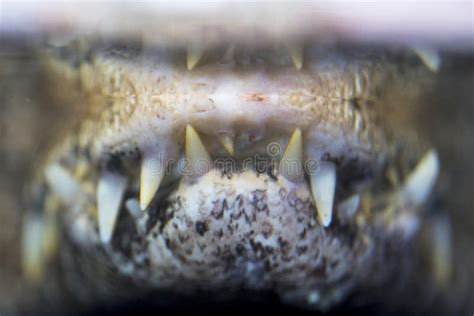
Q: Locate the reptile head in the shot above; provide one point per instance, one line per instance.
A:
(229, 166)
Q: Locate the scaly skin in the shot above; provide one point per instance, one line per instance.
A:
(226, 230)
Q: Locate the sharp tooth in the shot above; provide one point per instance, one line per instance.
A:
(291, 164)
(194, 54)
(440, 238)
(420, 182)
(50, 236)
(296, 53)
(228, 142)
(110, 191)
(151, 174)
(429, 57)
(32, 248)
(62, 183)
(323, 184)
(40, 240)
(347, 208)
(133, 208)
(196, 154)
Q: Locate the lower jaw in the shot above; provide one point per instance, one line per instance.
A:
(257, 232)
(251, 230)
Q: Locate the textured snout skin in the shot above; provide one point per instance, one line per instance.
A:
(250, 231)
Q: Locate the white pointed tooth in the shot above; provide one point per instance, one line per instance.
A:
(133, 208)
(296, 54)
(291, 164)
(110, 190)
(194, 54)
(196, 154)
(347, 208)
(420, 182)
(151, 174)
(62, 183)
(323, 185)
(429, 57)
(33, 263)
(441, 242)
(228, 142)
(50, 236)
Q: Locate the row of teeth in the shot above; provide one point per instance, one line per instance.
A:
(111, 186)
(195, 52)
(430, 58)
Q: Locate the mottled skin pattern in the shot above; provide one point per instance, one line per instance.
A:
(244, 229)
(264, 237)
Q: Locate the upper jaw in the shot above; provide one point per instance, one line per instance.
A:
(147, 105)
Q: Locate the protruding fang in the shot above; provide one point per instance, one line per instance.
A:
(323, 185)
(429, 57)
(296, 53)
(228, 142)
(194, 54)
(440, 237)
(110, 191)
(198, 159)
(50, 236)
(62, 183)
(133, 208)
(347, 208)
(151, 174)
(420, 182)
(32, 248)
(291, 164)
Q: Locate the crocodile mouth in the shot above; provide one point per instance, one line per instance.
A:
(263, 167)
